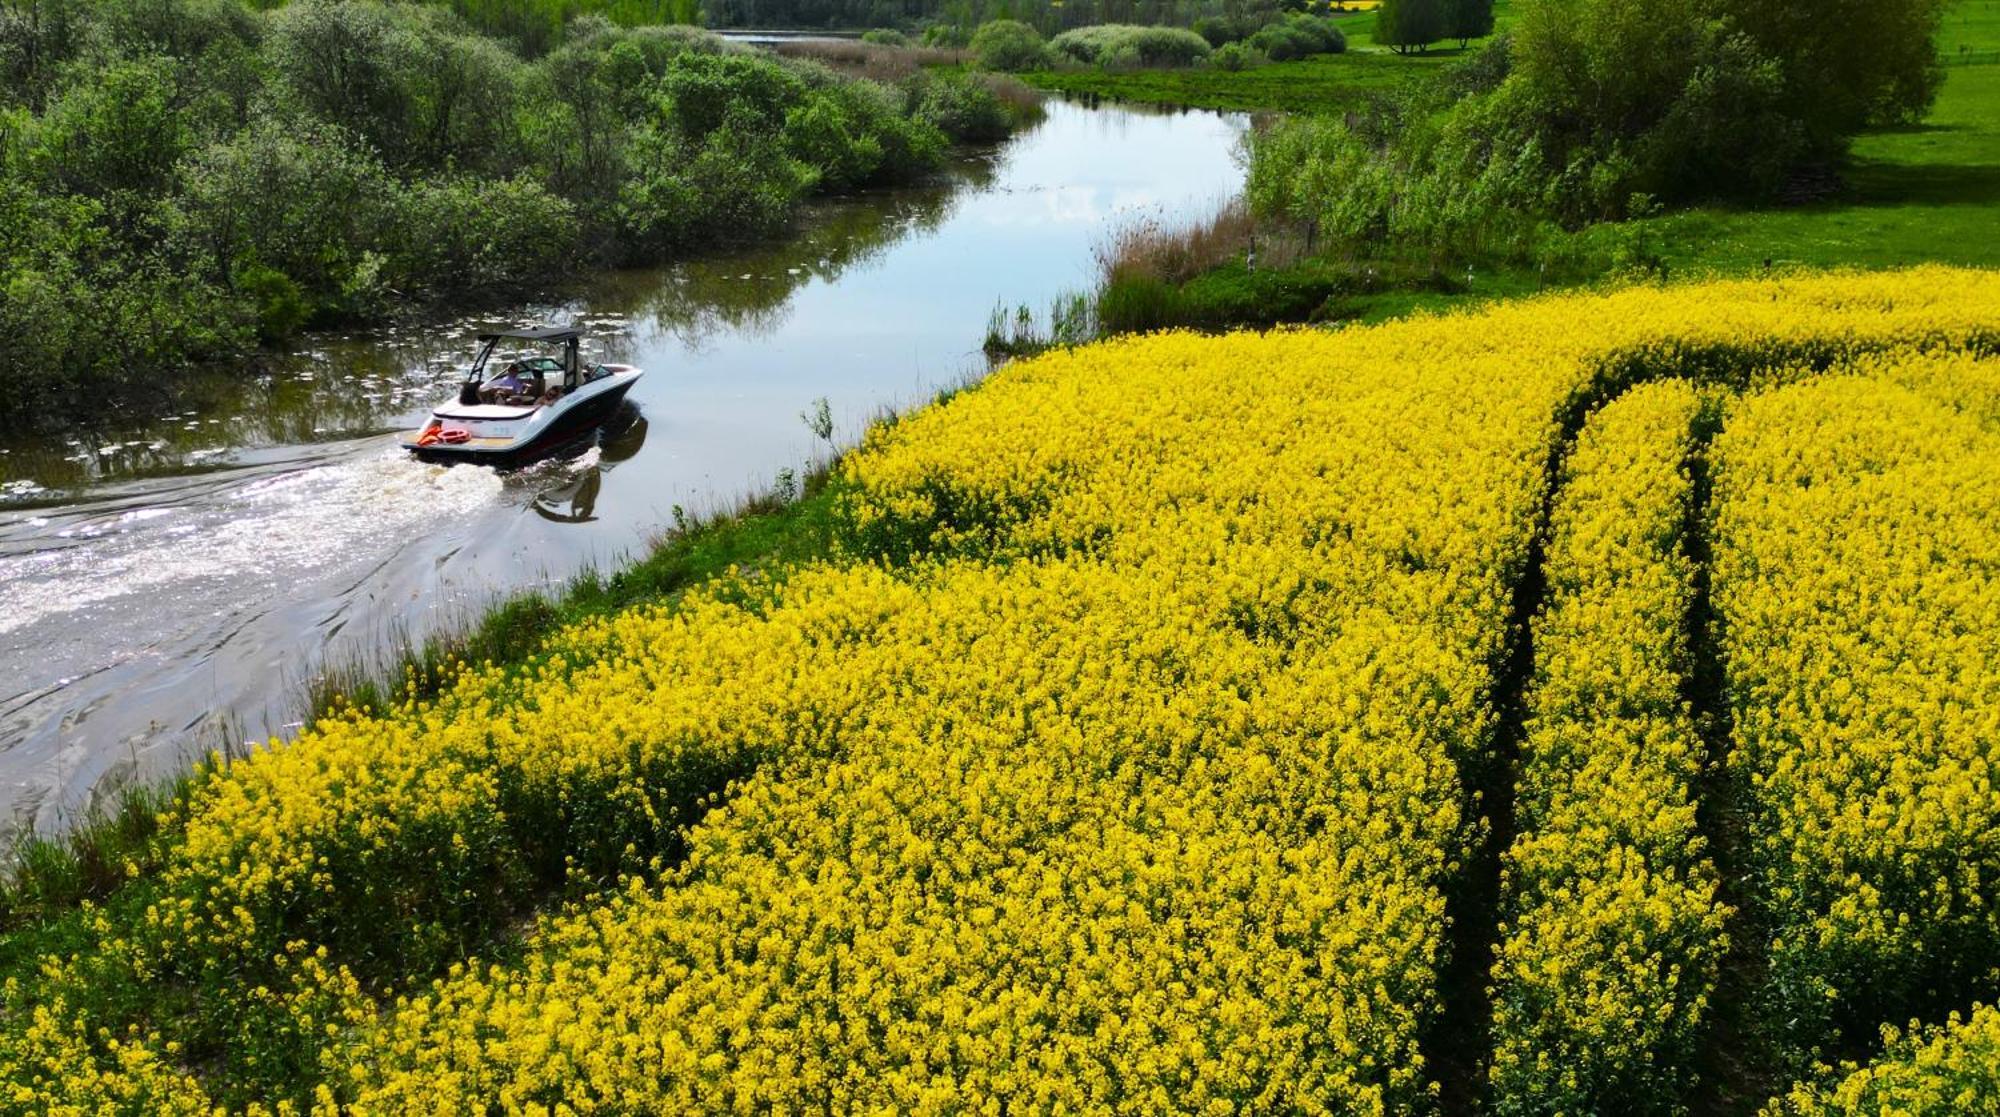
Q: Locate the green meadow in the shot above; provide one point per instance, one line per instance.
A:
(1930, 192)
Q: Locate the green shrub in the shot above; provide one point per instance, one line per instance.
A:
(282, 309)
(1130, 304)
(739, 178)
(946, 36)
(1008, 45)
(697, 92)
(1298, 36)
(1234, 294)
(1125, 46)
(114, 132)
(351, 65)
(1235, 56)
(1227, 296)
(308, 202)
(886, 37)
(1219, 31)
(1466, 20)
(85, 316)
(478, 234)
(855, 133)
(410, 80)
(960, 107)
(1851, 64)
(830, 136)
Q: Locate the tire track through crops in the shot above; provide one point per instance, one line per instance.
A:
(1459, 1045)
(1738, 1068)
(1732, 1080)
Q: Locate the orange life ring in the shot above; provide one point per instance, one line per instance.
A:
(435, 434)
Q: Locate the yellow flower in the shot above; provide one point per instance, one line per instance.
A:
(1118, 759)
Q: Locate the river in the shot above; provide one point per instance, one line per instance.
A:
(169, 587)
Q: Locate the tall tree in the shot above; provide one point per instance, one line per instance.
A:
(1410, 25)
(1848, 63)
(1466, 20)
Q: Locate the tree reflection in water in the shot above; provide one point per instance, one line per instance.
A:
(373, 381)
(748, 291)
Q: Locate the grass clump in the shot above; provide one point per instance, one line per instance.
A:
(50, 875)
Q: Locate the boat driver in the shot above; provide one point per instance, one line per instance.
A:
(516, 383)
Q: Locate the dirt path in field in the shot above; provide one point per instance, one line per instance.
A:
(1734, 1077)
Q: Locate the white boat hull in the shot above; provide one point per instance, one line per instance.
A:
(500, 432)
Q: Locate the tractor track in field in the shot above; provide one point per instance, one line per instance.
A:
(1734, 1076)
(1458, 1047)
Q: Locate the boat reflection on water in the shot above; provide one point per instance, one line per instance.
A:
(573, 499)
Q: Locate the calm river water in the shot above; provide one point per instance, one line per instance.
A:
(168, 589)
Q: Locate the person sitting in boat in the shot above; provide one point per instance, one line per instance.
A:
(518, 383)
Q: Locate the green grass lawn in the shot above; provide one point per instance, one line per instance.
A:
(1328, 83)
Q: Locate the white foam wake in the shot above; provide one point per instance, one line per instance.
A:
(273, 528)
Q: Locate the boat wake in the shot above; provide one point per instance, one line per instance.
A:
(161, 618)
(241, 536)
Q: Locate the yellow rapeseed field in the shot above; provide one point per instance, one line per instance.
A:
(1857, 571)
(1133, 751)
(1941, 1070)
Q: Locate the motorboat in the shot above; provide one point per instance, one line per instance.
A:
(533, 402)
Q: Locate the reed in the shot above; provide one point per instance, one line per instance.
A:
(873, 61)
(1175, 253)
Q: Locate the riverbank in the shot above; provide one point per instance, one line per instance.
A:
(107, 879)
(48, 875)
(181, 584)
